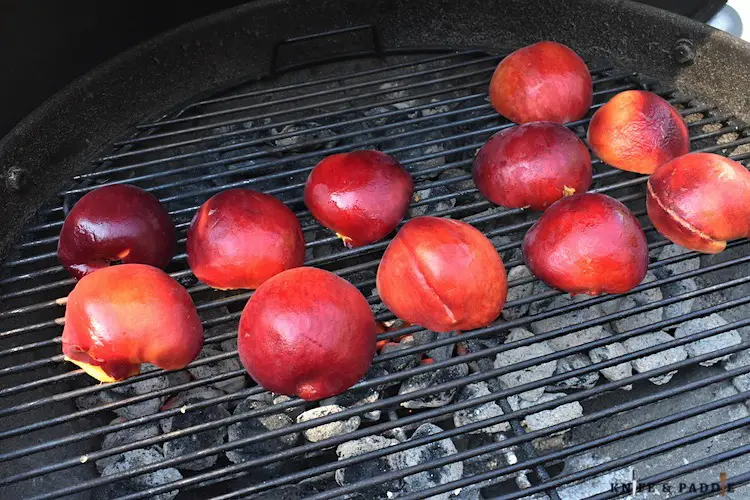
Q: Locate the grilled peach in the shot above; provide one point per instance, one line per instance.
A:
(122, 316)
(239, 238)
(638, 131)
(545, 81)
(532, 165)
(307, 332)
(442, 274)
(361, 195)
(587, 243)
(115, 223)
(700, 201)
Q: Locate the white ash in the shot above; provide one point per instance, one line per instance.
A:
(400, 363)
(331, 429)
(229, 345)
(737, 360)
(124, 436)
(191, 396)
(131, 460)
(518, 292)
(708, 344)
(293, 412)
(502, 240)
(358, 397)
(682, 307)
(255, 426)
(370, 468)
(429, 208)
(196, 441)
(376, 113)
(427, 453)
(681, 267)
(215, 368)
(742, 384)
(575, 317)
(431, 379)
(298, 143)
(625, 302)
(481, 412)
(533, 373)
(656, 360)
(594, 485)
(616, 372)
(550, 417)
(574, 362)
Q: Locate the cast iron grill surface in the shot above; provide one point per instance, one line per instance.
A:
(560, 398)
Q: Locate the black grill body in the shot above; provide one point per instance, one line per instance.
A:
(615, 387)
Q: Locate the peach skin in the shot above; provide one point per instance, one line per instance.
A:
(700, 201)
(442, 274)
(125, 315)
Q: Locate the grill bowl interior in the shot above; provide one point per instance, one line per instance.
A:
(429, 110)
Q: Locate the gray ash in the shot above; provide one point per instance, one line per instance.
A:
(358, 397)
(428, 453)
(259, 425)
(215, 368)
(124, 436)
(197, 441)
(298, 143)
(370, 468)
(135, 459)
(430, 379)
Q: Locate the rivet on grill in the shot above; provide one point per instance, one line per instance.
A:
(16, 178)
(683, 51)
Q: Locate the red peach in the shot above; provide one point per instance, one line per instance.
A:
(442, 274)
(239, 238)
(532, 165)
(122, 316)
(587, 243)
(307, 332)
(638, 131)
(115, 223)
(361, 195)
(546, 81)
(700, 201)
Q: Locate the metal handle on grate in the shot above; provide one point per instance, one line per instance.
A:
(375, 38)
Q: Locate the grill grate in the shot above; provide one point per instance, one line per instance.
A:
(565, 430)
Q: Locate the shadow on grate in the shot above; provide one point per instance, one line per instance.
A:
(562, 397)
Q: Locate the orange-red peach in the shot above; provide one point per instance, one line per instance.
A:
(442, 274)
(239, 238)
(122, 316)
(307, 332)
(587, 243)
(700, 201)
(638, 131)
(532, 165)
(546, 81)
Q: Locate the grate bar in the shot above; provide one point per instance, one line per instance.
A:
(345, 414)
(438, 388)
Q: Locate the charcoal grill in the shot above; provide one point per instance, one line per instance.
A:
(372, 76)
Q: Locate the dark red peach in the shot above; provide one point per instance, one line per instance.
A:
(532, 165)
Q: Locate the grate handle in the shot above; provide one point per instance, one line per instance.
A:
(374, 35)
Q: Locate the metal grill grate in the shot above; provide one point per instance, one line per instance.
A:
(466, 427)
